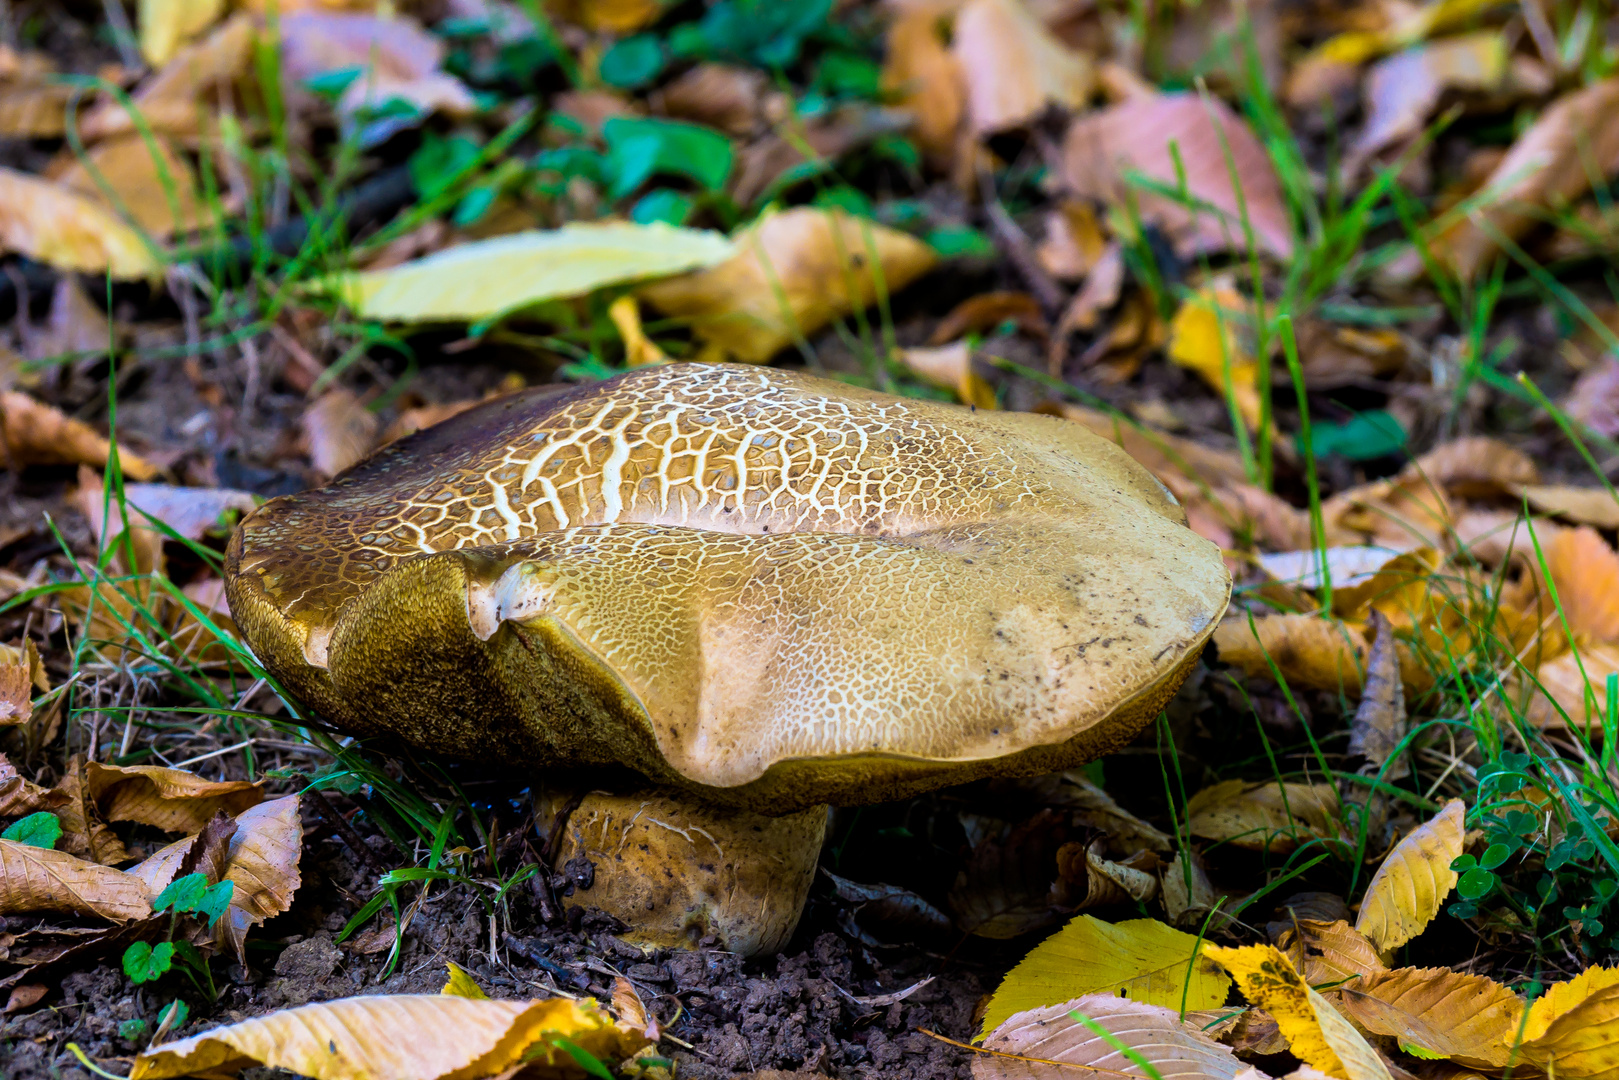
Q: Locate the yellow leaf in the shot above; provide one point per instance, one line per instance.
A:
(1267, 816)
(165, 25)
(491, 277)
(1141, 959)
(154, 185)
(639, 350)
(1203, 337)
(793, 273)
(462, 984)
(69, 230)
(1573, 1030)
(1330, 953)
(1013, 65)
(1583, 505)
(614, 16)
(396, 1037)
(950, 367)
(1317, 1033)
(1408, 889)
(176, 99)
(1469, 1018)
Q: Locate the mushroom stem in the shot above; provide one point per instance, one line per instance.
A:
(677, 870)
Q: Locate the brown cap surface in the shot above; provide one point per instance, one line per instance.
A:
(769, 588)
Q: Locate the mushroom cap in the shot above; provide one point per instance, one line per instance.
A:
(770, 589)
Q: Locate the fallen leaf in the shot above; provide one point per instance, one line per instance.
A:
(1330, 953)
(1402, 90)
(639, 350)
(716, 95)
(1475, 466)
(1013, 66)
(1091, 806)
(1345, 565)
(1551, 163)
(1189, 895)
(987, 311)
(1401, 512)
(19, 795)
(1582, 505)
(263, 863)
(782, 158)
(887, 913)
(84, 831)
(69, 230)
(951, 368)
(1334, 355)
(166, 25)
(1413, 880)
(613, 16)
(1468, 1018)
(1099, 293)
(1593, 400)
(1316, 1033)
(32, 433)
(1321, 653)
(1050, 1043)
(340, 431)
(488, 278)
(1205, 337)
(1267, 816)
(1074, 242)
(170, 799)
(396, 1037)
(396, 59)
(923, 76)
(1571, 687)
(33, 104)
(1380, 722)
(1586, 572)
(41, 879)
(1140, 959)
(1008, 885)
(191, 512)
(175, 100)
(1086, 878)
(21, 674)
(461, 984)
(146, 180)
(793, 272)
(1572, 1029)
(1102, 146)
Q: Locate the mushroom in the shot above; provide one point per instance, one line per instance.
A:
(758, 591)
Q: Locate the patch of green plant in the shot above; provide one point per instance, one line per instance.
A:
(1373, 433)
(633, 62)
(41, 829)
(764, 33)
(640, 148)
(188, 895)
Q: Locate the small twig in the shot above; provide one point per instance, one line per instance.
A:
(323, 806)
(1014, 244)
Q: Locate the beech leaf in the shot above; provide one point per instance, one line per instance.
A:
(1064, 1046)
(1413, 881)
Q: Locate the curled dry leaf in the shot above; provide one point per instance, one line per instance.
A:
(145, 179)
(21, 675)
(1402, 90)
(1550, 164)
(1007, 887)
(1086, 878)
(1050, 1044)
(1581, 505)
(884, 912)
(716, 95)
(340, 431)
(924, 78)
(1206, 336)
(1074, 242)
(84, 831)
(1316, 1033)
(263, 863)
(170, 799)
(19, 795)
(1140, 959)
(1013, 66)
(1268, 816)
(176, 99)
(1574, 1027)
(1189, 895)
(1468, 1018)
(793, 272)
(69, 230)
(486, 278)
(40, 879)
(1380, 722)
(1413, 880)
(1330, 953)
(1323, 654)
(396, 1037)
(166, 25)
(951, 368)
(1137, 135)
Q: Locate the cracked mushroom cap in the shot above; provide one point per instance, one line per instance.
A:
(770, 589)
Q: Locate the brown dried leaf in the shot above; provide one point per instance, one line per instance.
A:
(1095, 808)
(263, 863)
(39, 879)
(923, 76)
(1330, 953)
(32, 433)
(1581, 505)
(19, 795)
(825, 138)
(177, 99)
(1380, 721)
(1468, 1018)
(717, 95)
(1401, 91)
(154, 185)
(1074, 241)
(1575, 138)
(340, 430)
(1189, 895)
(1048, 1044)
(1136, 135)
(192, 512)
(69, 230)
(1013, 66)
(21, 673)
(397, 1036)
(1573, 687)
(1269, 816)
(1586, 572)
(1473, 467)
(1099, 293)
(1324, 654)
(820, 261)
(31, 107)
(1594, 398)
(397, 58)
(950, 367)
(1413, 881)
(1006, 887)
(170, 799)
(84, 831)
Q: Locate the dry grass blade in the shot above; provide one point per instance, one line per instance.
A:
(1413, 881)
(394, 1037)
(1468, 1018)
(1049, 1044)
(39, 879)
(170, 799)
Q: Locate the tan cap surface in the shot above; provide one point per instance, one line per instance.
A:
(772, 589)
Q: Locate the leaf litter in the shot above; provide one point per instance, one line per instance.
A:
(1373, 835)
